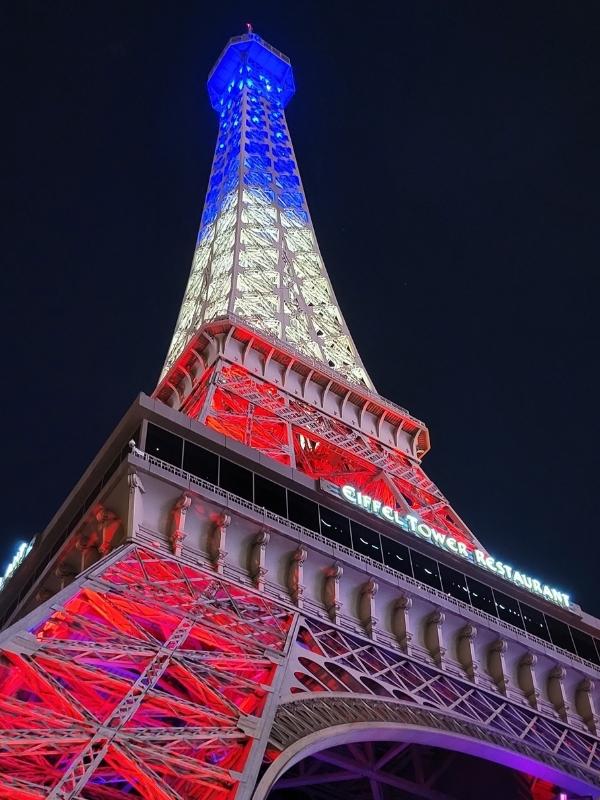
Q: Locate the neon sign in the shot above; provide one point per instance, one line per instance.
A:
(22, 551)
(413, 525)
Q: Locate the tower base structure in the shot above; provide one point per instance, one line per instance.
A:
(194, 624)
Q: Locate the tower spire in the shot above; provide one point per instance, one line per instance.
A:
(257, 257)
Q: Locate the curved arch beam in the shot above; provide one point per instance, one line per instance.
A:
(370, 719)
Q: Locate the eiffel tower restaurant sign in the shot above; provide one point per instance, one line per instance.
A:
(421, 530)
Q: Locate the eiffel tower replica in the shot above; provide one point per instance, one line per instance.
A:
(255, 590)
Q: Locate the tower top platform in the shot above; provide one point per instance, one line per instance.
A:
(259, 61)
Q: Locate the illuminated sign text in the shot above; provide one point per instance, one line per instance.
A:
(421, 530)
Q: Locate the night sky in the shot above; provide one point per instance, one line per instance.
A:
(451, 159)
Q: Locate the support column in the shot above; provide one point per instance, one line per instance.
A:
(295, 575)
(556, 691)
(528, 679)
(331, 592)
(465, 650)
(178, 515)
(584, 703)
(497, 664)
(366, 607)
(135, 510)
(108, 525)
(257, 557)
(434, 638)
(400, 622)
(216, 541)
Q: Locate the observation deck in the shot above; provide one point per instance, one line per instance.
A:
(262, 62)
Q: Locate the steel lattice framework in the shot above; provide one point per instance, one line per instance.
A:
(336, 664)
(152, 677)
(158, 661)
(138, 685)
(289, 430)
(257, 255)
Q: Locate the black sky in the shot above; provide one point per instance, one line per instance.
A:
(450, 154)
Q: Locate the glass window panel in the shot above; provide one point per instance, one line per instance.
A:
(335, 527)
(235, 479)
(560, 634)
(584, 644)
(425, 569)
(454, 583)
(270, 495)
(482, 597)
(366, 541)
(200, 462)
(303, 511)
(508, 609)
(534, 621)
(164, 445)
(396, 555)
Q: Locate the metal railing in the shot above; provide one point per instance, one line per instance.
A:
(248, 505)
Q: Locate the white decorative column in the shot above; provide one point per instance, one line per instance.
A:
(295, 575)
(135, 512)
(331, 591)
(556, 691)
(584, 703)
(366, 606)
(434, 637)
(528, 679)
(258, 553)
(178, 515)
(400, 622)
(465, 651)
(497, 664)
(108, 525)
(216, 541)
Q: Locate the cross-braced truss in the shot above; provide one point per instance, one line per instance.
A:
(138, 687)
(289, 430)
(152, 679)
(358, 680)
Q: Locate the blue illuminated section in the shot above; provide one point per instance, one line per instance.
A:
(249, 60)
(249, 87)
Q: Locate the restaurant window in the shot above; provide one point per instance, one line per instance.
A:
(454, 583)
(396, 555)
(481, 596)
(235, 479)
(584, 644)
(270, 495)
(366, 541)
(164, 445)
(335, 527)
(508, 609)
(560, 634)
(303, 512)
(201, 462)
(534, 622)
(425, 569)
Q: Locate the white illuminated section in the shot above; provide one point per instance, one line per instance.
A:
(23, 550)
(422, 530)
(261, 262)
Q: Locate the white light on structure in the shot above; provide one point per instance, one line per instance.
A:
(22, 551)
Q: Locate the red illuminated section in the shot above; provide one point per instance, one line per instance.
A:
(295, 433)
(136, 688)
